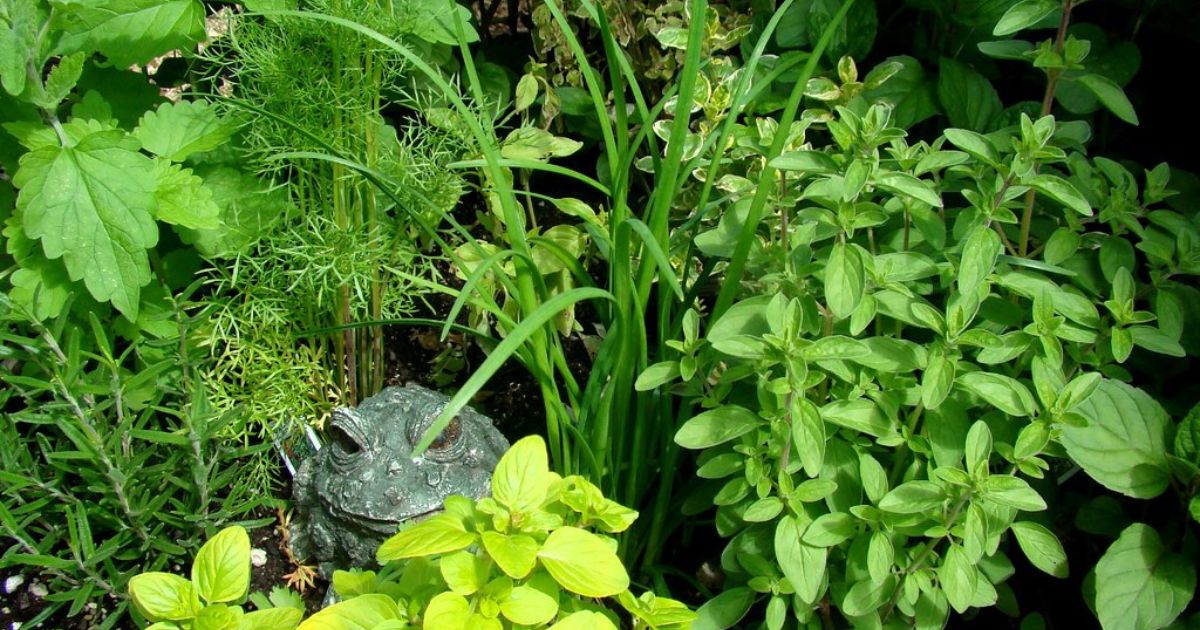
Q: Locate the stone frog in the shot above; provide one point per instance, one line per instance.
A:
(356, 491)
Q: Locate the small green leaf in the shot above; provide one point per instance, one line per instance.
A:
(806, 161)
(717, 426)
(1061, 191)
(272, 619)
(958, 578)
(1111, 96)
(829, 530)
(1003, 392)
(909, 186)
(1042, 548)
(974, 143)
(464, 572)
(527, 91)
(804, 565)
(979, 255)
(1023, 15)
(221, 571)
(1013, 492)
(657, 375)
(912, 497)
(844, 280)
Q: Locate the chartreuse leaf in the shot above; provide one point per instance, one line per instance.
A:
(584, 620)
(178, 130)
(92, 204)
(364, 612)
(522, 475)
(464, 572)
(272, 619)
(958, 578)
(1140, 584)
(221, 571)
(218, 617)
(515, 554)
(1042, 548)
(1123, 445)
(164, 597)
(129, 31)
(528, 606)
(583, 563)
(440, 534)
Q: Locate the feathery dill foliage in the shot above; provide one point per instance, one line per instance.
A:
(342, 255)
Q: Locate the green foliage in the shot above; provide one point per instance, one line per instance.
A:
(113, 459)
(529, 556)
(213, 597)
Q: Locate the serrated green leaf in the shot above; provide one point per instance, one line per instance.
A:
(93, 205)
(183, 199)
(130, 31)
(178, 130)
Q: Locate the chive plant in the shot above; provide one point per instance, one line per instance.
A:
(603, 428)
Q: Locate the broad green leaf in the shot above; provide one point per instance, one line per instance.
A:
(183, 199)
(912, 497)
(844, 280)
(808, 435)
(522, 476)
(938, 380)
(1155, 340)
(880, 556)
(1023, 15)
(909, 186)
(657, 375)
(1123, 445)
(130, 31)
(1061, 191)
(1003, 392)
(969, 100)
(979, 446)
(1062, 245)
(861, 415)
(804, 565)
(248, 209)
(866, 596)
(1111, 96)
(178, 130)
(527, 91)
(1042, 548)
(974, 143)
(717, 426)
(1013, 492)
(829, 530)
(221, 571)
(532, 143)
(979, 256)
(515, 554)
(1141, 585)
(528, 606)
(583, 563)
(958, 578)
(93, 205)
(440, 534)
(164, 597)
(724, 610)
(17, 44)
(805, 161)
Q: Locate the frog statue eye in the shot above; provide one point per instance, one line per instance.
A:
(346, 437)
(447, 446)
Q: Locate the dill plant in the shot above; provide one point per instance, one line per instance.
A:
(343, 253)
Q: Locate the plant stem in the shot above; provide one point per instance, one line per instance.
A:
(1053, 75)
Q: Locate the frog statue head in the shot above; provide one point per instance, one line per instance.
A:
(356, 491)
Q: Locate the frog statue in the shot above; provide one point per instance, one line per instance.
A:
(357, 490)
